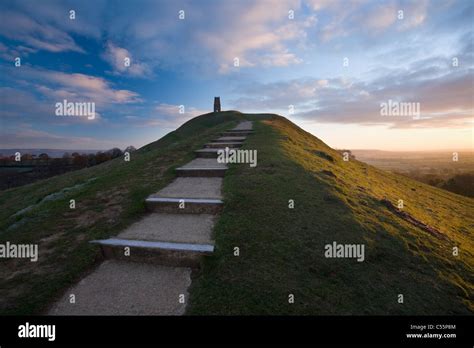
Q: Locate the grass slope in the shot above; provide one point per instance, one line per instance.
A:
(282, 249)
(105, 205)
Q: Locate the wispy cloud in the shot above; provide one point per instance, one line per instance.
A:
(444, 95)
(250, 28)
(165, 116)
(78, 86)
(20, 27)
(123, 62)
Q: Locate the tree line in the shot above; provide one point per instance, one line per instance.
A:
(21, 169)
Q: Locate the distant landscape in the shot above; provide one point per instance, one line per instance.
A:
(53, 153)
(24, 166)
(436, 168)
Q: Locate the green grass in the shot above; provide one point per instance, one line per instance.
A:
(104, 206)
(282, 249)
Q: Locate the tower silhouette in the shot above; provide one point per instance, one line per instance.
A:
(217, 104)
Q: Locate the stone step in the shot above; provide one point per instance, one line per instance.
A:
(229, 139)
(236, 133)
(223, 145)
(192, 188)
(203, 167)
(174, 228)
(207, 152)
(200, 195)
(128, 288)
(240, 130)
(184, 205)
(163, 253)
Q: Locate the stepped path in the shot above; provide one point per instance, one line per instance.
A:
(148, 266)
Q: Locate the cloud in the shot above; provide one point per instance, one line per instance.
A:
(257, 33)
(414, 14)
(444, 95)
(23, 106)
(20, 27)
(280, 95)
(9, 54)
(344, 18)
(317, 5)
(444, 102)
(166, 116)
(117, 58)
(37, 91)
(77, 86)
(381, 17)
(17, 105)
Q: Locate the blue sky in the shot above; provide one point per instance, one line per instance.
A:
(395, 50)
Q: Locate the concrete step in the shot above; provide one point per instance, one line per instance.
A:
(250, 130)
(223, 145)
(173, 228)
(207, 152)
(128, 288)
(192, 188)
(184, 205)
(163, 253)
(240, 130)
(236, 133)
(195, 195)
(229, 139)
(202, 167)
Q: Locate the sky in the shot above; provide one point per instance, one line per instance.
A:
(149, 66)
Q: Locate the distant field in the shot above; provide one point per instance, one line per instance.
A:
(422, 163)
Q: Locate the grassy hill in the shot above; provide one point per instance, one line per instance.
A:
(281, 249)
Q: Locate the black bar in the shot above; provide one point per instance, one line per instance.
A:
(195, 330)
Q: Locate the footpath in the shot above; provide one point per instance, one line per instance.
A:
(148, 266)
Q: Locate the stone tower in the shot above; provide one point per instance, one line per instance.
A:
(217, 104)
